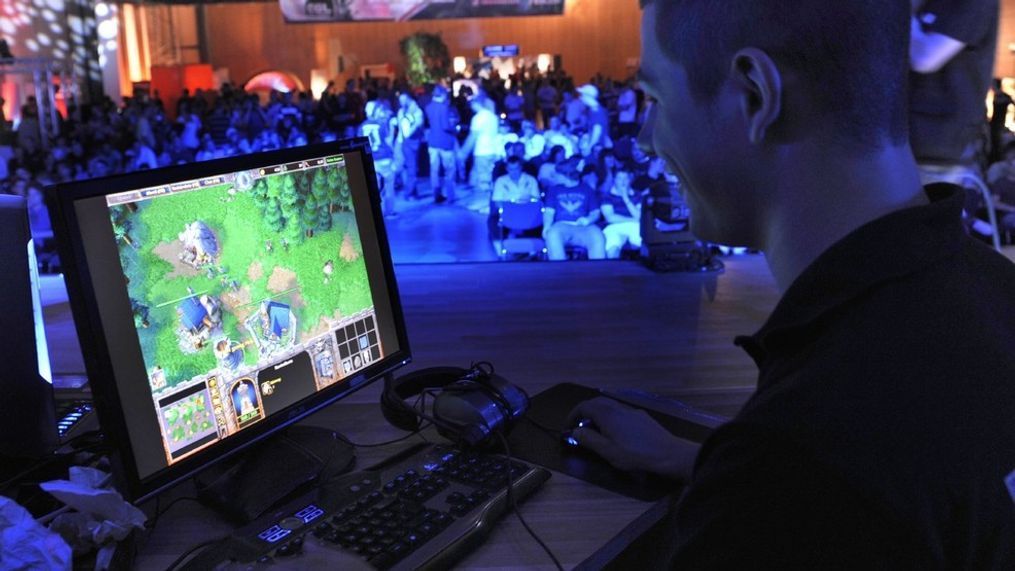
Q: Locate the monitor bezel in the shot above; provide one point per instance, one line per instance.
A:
(61, 198)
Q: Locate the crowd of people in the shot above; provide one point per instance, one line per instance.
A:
(529, 137)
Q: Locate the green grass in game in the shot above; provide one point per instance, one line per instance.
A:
(290, 224)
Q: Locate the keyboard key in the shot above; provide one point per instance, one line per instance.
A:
(425, 529)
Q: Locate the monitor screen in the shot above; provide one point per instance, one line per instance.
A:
(220, 301)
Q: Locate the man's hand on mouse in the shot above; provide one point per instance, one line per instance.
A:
(630, 439)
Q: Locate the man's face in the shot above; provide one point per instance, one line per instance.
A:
(699, 141)
(514, 170)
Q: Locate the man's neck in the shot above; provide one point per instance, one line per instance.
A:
(832, 196)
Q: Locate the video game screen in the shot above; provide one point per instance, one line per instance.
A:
(404, 10)
(249, 292)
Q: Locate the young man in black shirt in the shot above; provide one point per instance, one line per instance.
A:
(880, 435)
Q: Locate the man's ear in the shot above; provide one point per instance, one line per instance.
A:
(760, 84)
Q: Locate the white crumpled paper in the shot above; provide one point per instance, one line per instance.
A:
(25, 544)
(102, 514)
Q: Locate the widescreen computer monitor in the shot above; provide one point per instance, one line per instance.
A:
(219, 302)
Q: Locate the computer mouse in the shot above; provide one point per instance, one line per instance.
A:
(568, 434)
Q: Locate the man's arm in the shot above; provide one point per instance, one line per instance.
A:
(467, 146)
(499, 191)
(758, 500)
(548, 215)
(609, 215)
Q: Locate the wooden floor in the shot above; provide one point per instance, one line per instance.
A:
(609, 324)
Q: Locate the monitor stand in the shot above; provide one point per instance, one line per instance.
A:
(246, 486)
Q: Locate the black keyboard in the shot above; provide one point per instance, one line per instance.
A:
(424, 508)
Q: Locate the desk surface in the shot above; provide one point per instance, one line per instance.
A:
(613, 325)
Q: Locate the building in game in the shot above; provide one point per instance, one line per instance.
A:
(276, 320)
(199, 317)
(200, 247)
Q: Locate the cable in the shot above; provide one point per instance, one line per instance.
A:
(160, 512)
(514, 504)
(47, 462)
(193, 550)
(387, 443)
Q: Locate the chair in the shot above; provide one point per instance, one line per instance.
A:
(517, 218)
(967, 177)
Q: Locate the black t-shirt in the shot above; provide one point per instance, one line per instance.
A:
(881, 434)
(947, 108)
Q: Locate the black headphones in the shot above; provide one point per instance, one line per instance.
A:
(470, 405)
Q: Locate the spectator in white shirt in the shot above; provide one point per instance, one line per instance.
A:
(482, 143)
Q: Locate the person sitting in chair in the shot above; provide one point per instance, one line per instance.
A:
(570, 216)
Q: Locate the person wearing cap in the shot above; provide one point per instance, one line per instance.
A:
(442, 125)
(597, 119)
(570, 216)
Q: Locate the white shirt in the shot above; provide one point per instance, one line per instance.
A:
(507, 190)
(534, 145)
(486, 127)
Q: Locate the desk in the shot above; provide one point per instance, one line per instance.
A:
(613, 325)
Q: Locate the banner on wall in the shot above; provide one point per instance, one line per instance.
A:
(403, 10)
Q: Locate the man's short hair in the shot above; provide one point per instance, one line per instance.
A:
(853, 54)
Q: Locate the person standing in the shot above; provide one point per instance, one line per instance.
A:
(410, 136)
(442, 123)
(998, 121)
(482, 143)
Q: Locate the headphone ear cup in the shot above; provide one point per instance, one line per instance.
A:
(396, 411)
(397, 390)
(472, 410)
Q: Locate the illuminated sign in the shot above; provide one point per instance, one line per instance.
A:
(402, 10)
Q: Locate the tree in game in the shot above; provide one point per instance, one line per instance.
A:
(289, 201)
(339, 196)
(319, 191)
(121, 225)
(309, 216)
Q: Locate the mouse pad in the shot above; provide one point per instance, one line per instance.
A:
(536, 438)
